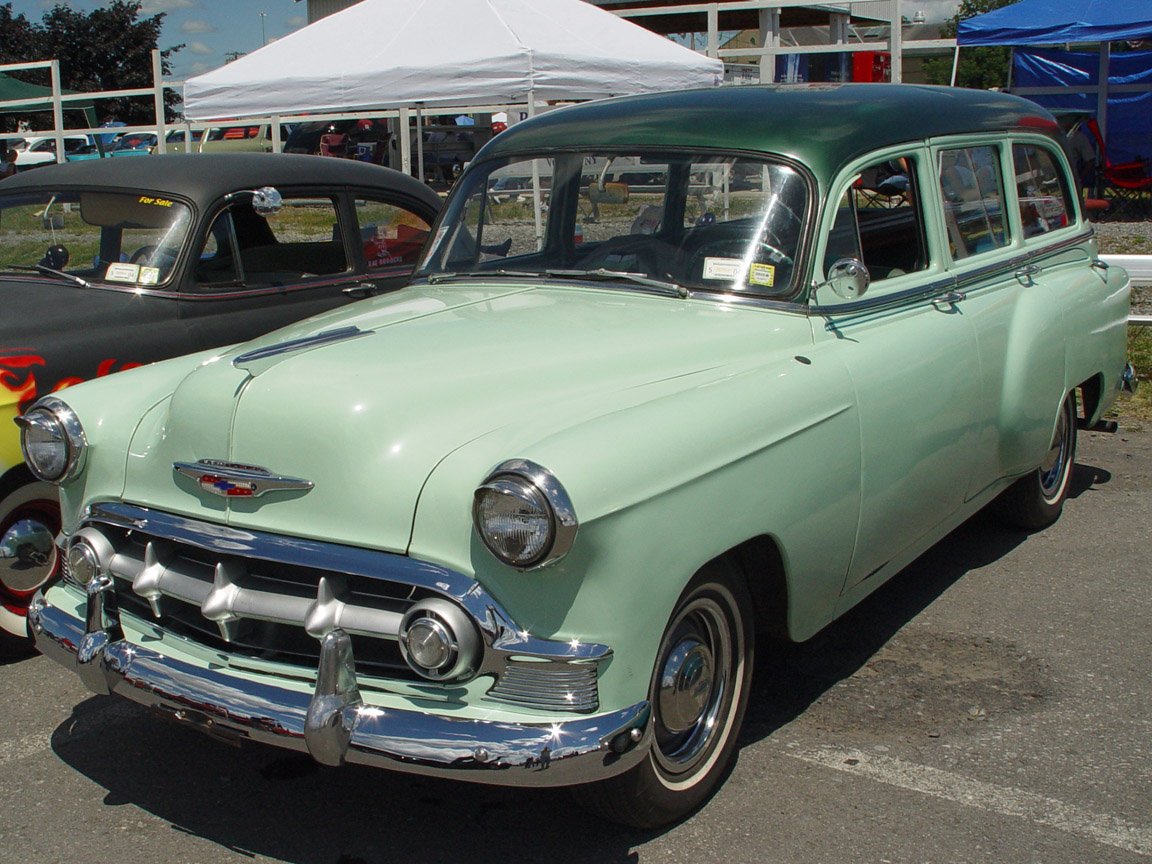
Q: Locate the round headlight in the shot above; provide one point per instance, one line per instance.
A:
(514, 521)
(523, 515)
(52, 440)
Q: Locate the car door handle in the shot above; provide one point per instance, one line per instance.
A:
(1028, 271)
(361, 289)
(949, 300)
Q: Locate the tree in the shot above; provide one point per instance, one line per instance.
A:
(981, 67)
(109, 48)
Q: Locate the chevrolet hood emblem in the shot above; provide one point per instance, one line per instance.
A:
(230, 480)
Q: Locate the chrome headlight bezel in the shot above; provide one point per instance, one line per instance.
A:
(52, 412)
(532, 483)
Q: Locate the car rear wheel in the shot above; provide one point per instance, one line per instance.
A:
(699, 692)
(1036, 500)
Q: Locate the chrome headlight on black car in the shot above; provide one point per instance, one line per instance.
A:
(52, 440)
(524, 515)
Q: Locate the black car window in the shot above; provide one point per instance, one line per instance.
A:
(128, 239)
(300, 242)
(392, 235)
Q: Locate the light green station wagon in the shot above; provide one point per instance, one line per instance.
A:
(677, 373)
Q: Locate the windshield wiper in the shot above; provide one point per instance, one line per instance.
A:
(49, 271)
(437, 278)
(603, 274)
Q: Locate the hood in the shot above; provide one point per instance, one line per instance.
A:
(367, 415)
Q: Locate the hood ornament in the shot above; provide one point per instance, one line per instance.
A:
(231, 480)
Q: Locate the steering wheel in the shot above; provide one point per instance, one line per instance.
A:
(160, 257)
(777, 254)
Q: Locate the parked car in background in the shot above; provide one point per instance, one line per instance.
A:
(39, 151)
(112, 264)
(351, 138)
(250, 138)
(528, 520)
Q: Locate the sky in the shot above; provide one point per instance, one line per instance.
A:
(208, 29)
(212, 29)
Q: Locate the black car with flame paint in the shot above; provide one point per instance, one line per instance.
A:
(111, 264)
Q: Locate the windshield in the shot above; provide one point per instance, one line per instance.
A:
(702, 221)
(121, 238)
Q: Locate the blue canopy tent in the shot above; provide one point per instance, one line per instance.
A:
(1056, 22)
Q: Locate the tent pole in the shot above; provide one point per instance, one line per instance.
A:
(955, 64)
(158, 99)
(1102, 91)
(405, 136)
(419, 142)
(536, 179)
(58, 112)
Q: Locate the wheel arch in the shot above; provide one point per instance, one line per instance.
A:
(761, 562)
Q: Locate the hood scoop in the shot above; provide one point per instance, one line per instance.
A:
(260, 359)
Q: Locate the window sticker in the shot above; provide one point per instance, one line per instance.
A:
(722, 268)
(123, 273)
(149, 275)
(762, 274)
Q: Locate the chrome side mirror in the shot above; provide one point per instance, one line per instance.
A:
(848, 278)
(267, 200)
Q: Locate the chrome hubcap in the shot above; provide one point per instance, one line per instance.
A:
(685, 685)
(695, 679)
(27, 555)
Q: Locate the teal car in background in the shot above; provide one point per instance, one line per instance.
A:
(677, 374)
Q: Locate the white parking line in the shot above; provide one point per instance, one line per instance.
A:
(1005, 800)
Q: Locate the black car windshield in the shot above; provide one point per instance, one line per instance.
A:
(695, 220)
(117, 238)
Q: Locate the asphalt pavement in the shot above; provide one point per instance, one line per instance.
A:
(993, 703)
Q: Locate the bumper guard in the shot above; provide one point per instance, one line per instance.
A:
(334, 724)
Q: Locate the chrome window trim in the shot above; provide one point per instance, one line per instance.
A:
(956, 281)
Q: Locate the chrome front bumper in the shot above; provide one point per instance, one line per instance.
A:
(334, 724)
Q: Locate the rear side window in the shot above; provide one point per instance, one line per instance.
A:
(1045, 198)
(973, 192)
(392, 236)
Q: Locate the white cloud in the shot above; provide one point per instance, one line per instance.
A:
(199, 68)
(296, 21)
(152, 7)
(197, 47)
(197, 25)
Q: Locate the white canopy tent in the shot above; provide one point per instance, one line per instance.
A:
(397, 53)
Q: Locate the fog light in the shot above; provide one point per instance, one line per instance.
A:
(439, 640)
(83, 565)
(429, 644)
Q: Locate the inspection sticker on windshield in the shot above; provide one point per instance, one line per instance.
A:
(123, 273)
(722, 268)
(762, 274)
(149, 275)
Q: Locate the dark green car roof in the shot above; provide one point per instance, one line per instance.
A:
(822, 125)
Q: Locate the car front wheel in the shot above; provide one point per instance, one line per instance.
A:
(29, 519)
(698, 693)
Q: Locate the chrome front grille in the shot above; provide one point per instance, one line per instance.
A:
(273, 598)
(265, 609)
